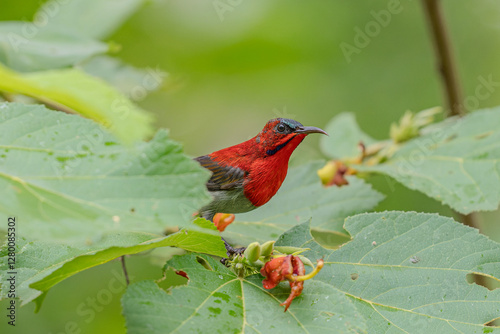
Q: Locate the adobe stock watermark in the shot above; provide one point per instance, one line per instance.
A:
(483, 91)
(485, 88)
(92, 305)
(224, 6)
(30, 30)
(364, 36)
(416, 158)
(152, 80)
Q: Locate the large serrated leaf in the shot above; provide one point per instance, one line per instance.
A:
(41, 265)
(84, 94)
(218, 301)
(457, 161)
(301, 197)
(406, 272)
(67, 178)
(27, 47)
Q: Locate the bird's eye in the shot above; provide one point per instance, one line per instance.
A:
(281, 128)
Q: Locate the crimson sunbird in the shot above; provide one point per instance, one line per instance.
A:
(248, 175)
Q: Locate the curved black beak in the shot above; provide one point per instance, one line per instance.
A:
(309, 129)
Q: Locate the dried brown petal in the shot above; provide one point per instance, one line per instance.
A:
(276, 271)
(284, 268)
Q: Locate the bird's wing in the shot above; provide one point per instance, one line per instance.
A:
(223, 177)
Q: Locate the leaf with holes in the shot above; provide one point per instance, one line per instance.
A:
(68, 179)
(301, 197)
(217, 300)
(407, 272)
(40, 265)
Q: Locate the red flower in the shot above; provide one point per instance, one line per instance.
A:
(281, 268)
(288, 268)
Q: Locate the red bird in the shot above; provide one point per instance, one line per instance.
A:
(248, 175)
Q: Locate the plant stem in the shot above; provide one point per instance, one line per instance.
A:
(124, 268)
(56, 106)
(444, 58)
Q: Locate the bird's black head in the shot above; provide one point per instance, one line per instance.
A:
(279, 132)
(286, 126)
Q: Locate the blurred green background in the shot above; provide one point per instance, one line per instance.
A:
(231, 71)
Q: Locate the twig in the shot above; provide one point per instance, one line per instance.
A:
(124, 268)
(48, 103)
(56, 106)
(444, 56)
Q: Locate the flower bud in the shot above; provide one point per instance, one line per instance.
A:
(222, 220)
(252, 253)
(327, 172)
(266, 249)
(410, 124)
(306, 261)
(290, 249)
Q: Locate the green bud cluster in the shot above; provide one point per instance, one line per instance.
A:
(410, 124)
(256, 255)
(252, 259)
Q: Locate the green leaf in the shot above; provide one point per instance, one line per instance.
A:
(135, 83)
(66, 178)
(406, 272)
(94, 18)
(40, 265)
(219, 301)
(27, 47)
(457, 162)
(344, 136)
(301, 197)
(87, 95)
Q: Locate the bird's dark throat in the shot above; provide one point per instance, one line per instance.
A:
(279, 147)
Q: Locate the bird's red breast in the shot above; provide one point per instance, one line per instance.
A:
(255, 168)
(264, 173)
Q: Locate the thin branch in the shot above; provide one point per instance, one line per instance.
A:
(48, 102)
(56, 106)
(124, 268)
(444, 56)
